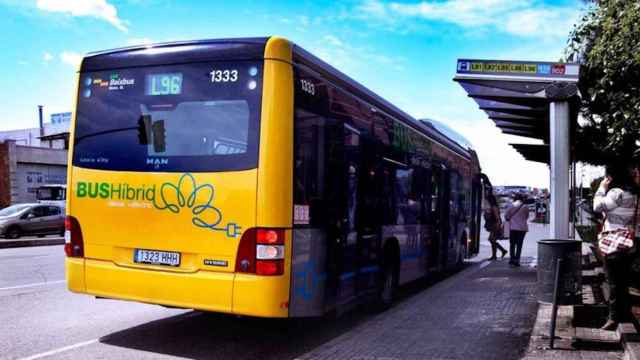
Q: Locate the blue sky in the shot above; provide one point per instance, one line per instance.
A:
(404, 51)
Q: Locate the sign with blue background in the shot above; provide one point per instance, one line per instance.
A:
(61, 118)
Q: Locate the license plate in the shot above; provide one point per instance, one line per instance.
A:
(156, 257)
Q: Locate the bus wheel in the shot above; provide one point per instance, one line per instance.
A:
(13, 232)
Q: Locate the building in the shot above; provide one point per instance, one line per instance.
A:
(33, 157)
(24, 168)
(54, 134)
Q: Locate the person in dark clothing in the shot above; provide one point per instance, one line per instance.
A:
(493, 224)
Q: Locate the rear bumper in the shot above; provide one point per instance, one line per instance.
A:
(202, 290)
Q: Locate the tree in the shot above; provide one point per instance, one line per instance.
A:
(607, 43)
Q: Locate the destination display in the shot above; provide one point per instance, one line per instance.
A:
(164, 84)
(518, 68)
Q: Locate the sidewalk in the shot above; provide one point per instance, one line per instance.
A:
(31, 241)
(485, 312)
(578, 336)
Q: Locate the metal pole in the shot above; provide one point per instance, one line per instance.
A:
(40, 120)
(559, 136)
(554, 308)
(574, 199)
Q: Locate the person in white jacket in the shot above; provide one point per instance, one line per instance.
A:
(617, 198)
(517, 215)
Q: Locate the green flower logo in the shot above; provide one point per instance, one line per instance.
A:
(196, 198)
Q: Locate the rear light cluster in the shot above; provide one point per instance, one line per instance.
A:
(261, 252)
(73, 242)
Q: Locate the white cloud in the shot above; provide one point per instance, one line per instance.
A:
(351, 59)
(47, 56)
(71, 58)
(99, 9)
(373, 7)
(332, 40)
(524, 18)
(139, 41)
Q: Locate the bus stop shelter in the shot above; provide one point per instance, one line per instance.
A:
(536, 100)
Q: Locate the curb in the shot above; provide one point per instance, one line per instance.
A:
(5, 244)
(630, 341)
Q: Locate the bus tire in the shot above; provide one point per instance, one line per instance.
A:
(13, 232)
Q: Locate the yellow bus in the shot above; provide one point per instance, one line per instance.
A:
(247, 176)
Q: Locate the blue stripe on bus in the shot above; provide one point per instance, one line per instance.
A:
(369, 269)
(364, 270)
(348, 275)
(412, 256)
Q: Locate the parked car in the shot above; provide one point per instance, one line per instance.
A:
(31, 219)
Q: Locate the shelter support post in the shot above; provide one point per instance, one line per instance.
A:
(559, 184)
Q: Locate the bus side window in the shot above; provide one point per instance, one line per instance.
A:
(406, 200)
(421, 189)
(309, 165)
(310, 149)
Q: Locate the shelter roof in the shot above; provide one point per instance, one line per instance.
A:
(516, 96)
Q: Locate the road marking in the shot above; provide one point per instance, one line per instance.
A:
(32, 285)
(485, 264)
(59, 350)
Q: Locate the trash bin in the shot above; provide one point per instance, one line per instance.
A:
(570, 284)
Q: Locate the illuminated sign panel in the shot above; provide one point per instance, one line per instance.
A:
(519, 68)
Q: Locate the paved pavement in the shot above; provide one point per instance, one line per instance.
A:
(485, 311)
(31, 241)
(22, 267)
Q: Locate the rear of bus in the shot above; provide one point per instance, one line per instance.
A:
(179, 184)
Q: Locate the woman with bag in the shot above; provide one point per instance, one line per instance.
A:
(517, 216)
(493, 225)
(617, 199)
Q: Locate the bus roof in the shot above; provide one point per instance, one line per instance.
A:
(447, 131)
(342, 80)
(250, 49)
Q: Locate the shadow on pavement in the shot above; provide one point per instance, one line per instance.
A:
(201, 335)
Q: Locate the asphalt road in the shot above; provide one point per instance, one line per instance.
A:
(40, 318)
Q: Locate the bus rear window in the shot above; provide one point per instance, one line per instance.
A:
(194, 117)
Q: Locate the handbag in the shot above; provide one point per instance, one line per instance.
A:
(619, 240)
(506, 229)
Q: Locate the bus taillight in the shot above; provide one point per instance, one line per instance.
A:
(261, 252)
(73, 242)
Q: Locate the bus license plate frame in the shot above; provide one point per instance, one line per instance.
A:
(156, 257)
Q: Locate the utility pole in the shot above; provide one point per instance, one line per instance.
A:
(41, 120)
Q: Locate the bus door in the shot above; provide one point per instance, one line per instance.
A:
(369, 217)
(439, 219)
(476, 203)
(348, 247)
(446, 231)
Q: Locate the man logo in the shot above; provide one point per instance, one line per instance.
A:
(157, 161)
